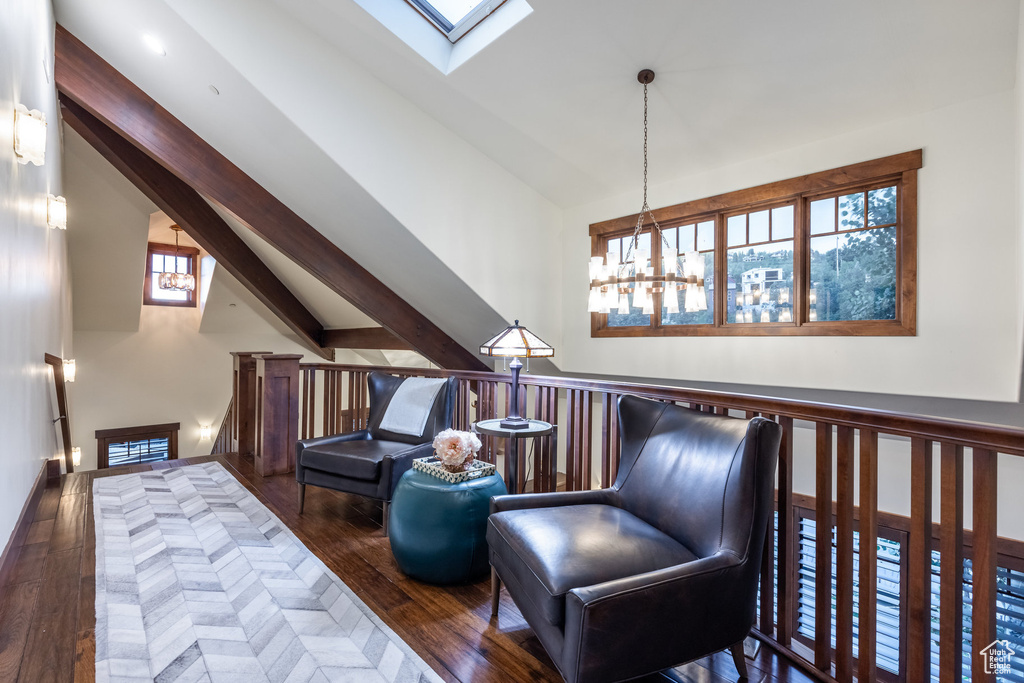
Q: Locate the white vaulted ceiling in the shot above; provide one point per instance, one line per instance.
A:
(451, 188)
(555, 100)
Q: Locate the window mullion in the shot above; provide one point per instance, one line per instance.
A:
(801, 260)
(721, 272)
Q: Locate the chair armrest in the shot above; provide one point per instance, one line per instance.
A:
(394, 465)
(524, 501)
(701, 603)
(361, 435)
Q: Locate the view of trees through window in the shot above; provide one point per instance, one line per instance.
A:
(853, 256)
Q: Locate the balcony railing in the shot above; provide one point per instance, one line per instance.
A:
(841, 444)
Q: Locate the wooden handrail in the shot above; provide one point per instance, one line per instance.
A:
(1004, 439)
(844, 444)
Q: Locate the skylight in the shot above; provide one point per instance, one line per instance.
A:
(455, 18)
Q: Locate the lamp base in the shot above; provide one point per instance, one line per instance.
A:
(514, 423)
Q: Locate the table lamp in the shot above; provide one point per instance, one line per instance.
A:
(516, 342)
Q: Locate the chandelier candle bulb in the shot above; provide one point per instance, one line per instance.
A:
(764, 316)
(672, 300)
(624, 303)
(593, 305)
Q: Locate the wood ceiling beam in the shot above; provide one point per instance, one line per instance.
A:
(88, 80)
(189, 210)
(365, 338)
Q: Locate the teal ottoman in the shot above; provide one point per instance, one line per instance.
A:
(437, 529)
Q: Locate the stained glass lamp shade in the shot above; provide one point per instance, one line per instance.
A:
(516, 342)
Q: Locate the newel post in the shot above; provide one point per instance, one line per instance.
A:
(277, 413)
(243, 402)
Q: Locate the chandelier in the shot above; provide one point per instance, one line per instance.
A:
(173, 280)
(612, 280)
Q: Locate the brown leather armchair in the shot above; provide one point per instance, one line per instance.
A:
(658, 570)
(369, 462)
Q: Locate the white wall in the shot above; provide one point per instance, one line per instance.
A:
(166, 372)
(140, 365)
(34, 293)
(968, 344)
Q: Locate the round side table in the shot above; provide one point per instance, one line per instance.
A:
(533, 429)
(437, 529)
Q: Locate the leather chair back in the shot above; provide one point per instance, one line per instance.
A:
(697, 477)
(382, 388)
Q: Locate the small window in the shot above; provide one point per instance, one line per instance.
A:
(166, 258)
(136, 445)
(455, 18)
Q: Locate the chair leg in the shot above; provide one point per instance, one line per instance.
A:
(739, 659)
(385, 519)
(495, 592)
(302, 497)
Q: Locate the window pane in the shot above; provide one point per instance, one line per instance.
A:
(761, 283)
(823, 216)
(706, 236)
(759, 226)
(737, 230)
(851, 211)
(853, 275)
(158, 263)
(635, 316)
(452, 10)
(672, 236)
(782, 223)
(882, 206)
(687, 237)
(691, 296)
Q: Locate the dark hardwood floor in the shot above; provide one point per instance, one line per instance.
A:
(47, 608)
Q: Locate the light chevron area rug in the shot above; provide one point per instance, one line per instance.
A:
(197, 581)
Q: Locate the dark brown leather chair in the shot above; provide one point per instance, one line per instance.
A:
(658, 570)
(369, 462)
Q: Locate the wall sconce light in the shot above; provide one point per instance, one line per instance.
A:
(204, 432)
(56, 212)
(76, 456)
(29, 135)
(69, 370)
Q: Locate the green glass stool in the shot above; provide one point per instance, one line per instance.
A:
(437, 529)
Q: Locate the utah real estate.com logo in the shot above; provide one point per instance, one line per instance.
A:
(997, 657)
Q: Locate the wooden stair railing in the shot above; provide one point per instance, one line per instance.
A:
(840, 442)
(224, 440)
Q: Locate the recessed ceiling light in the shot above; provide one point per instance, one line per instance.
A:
(154, 44)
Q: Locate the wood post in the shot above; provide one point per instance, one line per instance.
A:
(243, 394)
(277, 413)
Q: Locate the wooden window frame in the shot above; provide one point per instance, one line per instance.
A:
(899, 170)
(105, 437)
(169, 250)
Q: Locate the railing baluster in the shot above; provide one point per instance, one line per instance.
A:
(983, 561)
(786, 534)
(951, 548)
(823, 549)
(868, 607)
(919, 569)
(570, 441)
(586, 442)
(606, 434)
(844, 554)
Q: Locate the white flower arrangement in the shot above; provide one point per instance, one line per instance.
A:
(455, 448)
